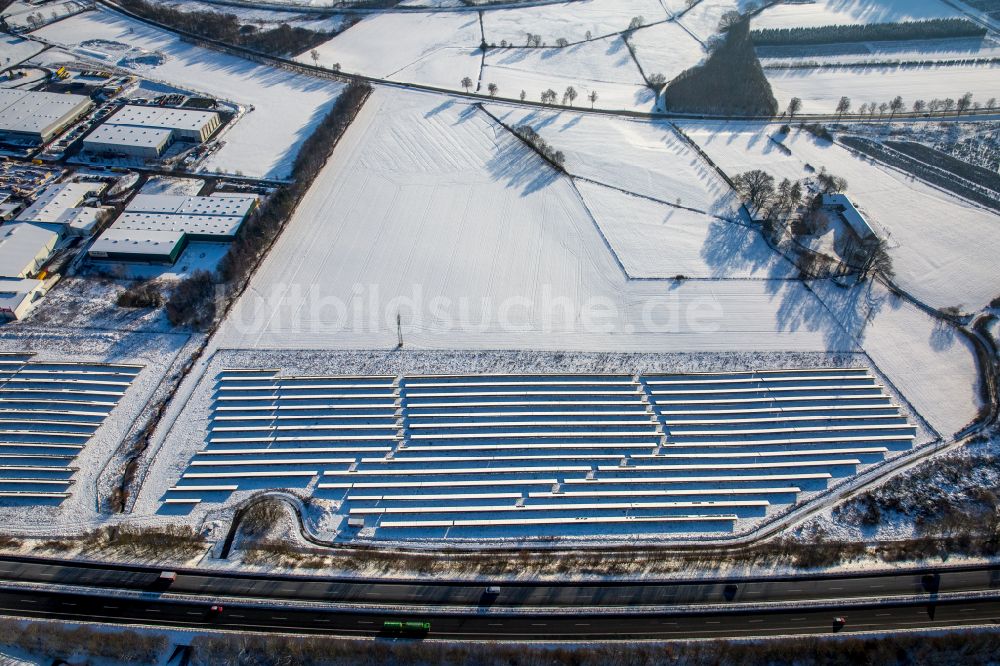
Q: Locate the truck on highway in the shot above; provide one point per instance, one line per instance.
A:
(406, 628)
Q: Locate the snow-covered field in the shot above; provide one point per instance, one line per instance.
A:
(647, 157)
(821, 88)
(943, 248)
(281, 108)
(666, 49)
(432, 211)
(571, 21)
(14, 50)
(604, 66)
(653, 240)
(384, 45)
(851, 12)
(702, 20)
(939, 50)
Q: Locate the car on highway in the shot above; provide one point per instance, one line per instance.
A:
(839, 622)
(406, 628)
(215, 612)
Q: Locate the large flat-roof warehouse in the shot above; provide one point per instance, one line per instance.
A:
(157, 227)
(147, 131)
(39, 116)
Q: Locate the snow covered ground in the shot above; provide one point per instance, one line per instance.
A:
(666, 49)
(432, 211)
(572, 20)
(821, 88)
(940, 50)
(850, 12)
(14, 50)
(385, 44)
(702, 20)
(943, 248)
(653, 240)
(604, 66)
(281, 108)
(647, 157)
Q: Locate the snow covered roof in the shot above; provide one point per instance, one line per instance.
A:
(198, 216)
(851, 215)
(128, 241)
(37, 112)
(162, 118)
(130, 136)
(56, 203)
(22, 245)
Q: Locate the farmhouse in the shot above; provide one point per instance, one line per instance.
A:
(37, 117)
(147, 131)
(851, 215)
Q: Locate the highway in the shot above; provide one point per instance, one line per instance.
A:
(912, 599)
(548, 626)
(444, 593)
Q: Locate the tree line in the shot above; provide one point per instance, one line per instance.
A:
(282, 40)
(871, 32)
(729, 82)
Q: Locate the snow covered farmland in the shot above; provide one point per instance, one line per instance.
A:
(280, 108)
(647, 157)
(571, 21)
(433, 48)
(603, 65)
(851, 12)
(654, 240)
(432, 211)
(821, 88)
(943, 247)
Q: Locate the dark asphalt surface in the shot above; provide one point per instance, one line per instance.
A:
(514, 595)
(565, 625)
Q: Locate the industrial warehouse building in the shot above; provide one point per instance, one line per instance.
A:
(58, 208)
(39, 116)
(157, 227)
(24, 249)
(18, 296)
(147, 131)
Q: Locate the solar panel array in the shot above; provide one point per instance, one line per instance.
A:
(48, 413)
(545, 455)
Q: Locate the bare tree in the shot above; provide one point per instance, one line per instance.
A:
(948, 104)
(592, 97)
(314, 54)
(729, 19)
(588, 35)
(896, 105)
(882, 108)
(570, 95)
(991, 102)
(636, 23)
(523, 95)
(549, 96)
(466, 83)
(656, 81)
(919, 106)
(756, 187)
(493, 89)
(843, 106)
(964, 102)
(794, 106)
(562, 42)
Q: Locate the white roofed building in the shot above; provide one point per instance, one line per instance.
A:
(39, 116)
(18, 296)
(58, 208)
(24, 249)
(147, 131)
